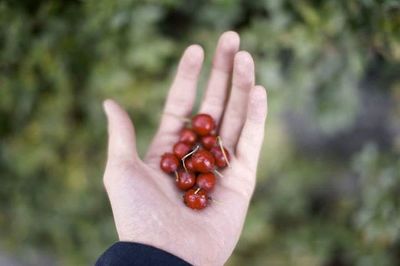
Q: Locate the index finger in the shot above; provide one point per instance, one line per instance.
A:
(179, 102)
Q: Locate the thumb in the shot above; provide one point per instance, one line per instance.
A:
(121, 133)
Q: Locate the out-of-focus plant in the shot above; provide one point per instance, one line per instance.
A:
(328, 186)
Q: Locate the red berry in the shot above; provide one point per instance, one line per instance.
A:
(206, 181)
(185, 180)
(189, 164)
(195, 199)
(203, 161)
(169, 163)
(209, 141)
(220, 160)
(188, 136)
(180, 149)
(203, 124)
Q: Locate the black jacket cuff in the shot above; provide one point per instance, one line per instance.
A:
(135, 254)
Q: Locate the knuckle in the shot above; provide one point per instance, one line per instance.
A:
(118, 168)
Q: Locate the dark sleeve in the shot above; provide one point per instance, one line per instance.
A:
(135, 254)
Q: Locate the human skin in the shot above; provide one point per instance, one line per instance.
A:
(146, 205)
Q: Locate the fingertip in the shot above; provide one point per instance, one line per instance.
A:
(191, 62)
(227, 47)
(262, 94)
(258, 104)
(194, 55)
(243, 58)
(106, 105)
(229, 41)
(114, 111)
(121, 133)
(259, 93)
(112, 107)
(243, 69)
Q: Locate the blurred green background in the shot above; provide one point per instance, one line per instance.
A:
(328, 188)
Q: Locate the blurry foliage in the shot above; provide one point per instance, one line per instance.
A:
(329, 182)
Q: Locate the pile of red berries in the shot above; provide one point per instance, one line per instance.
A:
(195, 160)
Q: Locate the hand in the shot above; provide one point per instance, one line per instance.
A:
(147, 207)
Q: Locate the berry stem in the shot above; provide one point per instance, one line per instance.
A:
(184, 119)
(218, 173)
(197, 190)
(176, 176)
(223, 151)
(187, 155)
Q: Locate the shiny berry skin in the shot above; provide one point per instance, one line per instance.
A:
(203, 124)
(206, 181)
(203, 161)
(188, 136)
(209, 141)
(180, 149)
(185, 180)
(189, 165)
(195, 199)
(169, 163)
(219, 156)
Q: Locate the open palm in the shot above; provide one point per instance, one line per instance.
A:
(146, 205)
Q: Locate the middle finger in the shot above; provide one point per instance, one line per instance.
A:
(220, 77)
